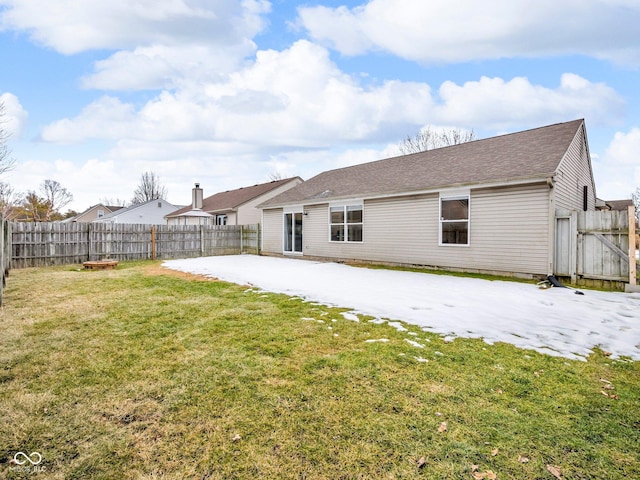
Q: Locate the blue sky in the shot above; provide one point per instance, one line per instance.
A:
(226, 93)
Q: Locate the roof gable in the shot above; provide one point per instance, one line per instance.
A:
(524, 155)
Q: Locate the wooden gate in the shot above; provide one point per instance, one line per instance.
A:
(598, 245)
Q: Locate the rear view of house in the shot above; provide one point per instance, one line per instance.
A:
(485, 206)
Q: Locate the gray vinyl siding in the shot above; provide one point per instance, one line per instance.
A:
(315, 232)
(509, 232)
(510, 229)
(574, 172)
(272, 230)
(249, 214)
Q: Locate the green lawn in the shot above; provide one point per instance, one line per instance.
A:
(142, 373)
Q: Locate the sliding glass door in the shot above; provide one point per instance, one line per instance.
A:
(293, 232)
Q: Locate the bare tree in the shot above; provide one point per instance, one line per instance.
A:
(7, 162)
(429, 138)
(111, 202)
(33, 208)
(55, 196)
(45, 207)
(275, 175)
(9, 202)
(149, 188)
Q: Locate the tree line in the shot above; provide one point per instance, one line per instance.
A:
(47, 203)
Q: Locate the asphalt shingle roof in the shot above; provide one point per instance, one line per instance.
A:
(231, 199)
(533, 153)
(620, 204)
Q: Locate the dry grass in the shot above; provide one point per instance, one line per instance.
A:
(144, 373)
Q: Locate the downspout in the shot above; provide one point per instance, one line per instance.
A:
(552, 227)
(261, 231)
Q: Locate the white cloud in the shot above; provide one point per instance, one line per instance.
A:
(298, 98)
(158, 44)
(15, 116)
(159, 66)
(107, 117)
(617, 173)
(439, 31)
(69, 26)
(493, 103)
(625, 148)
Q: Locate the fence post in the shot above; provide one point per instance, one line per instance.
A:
(632, 248)
(7, 246)
(202, 240)
(573, 248)
(3, 253)
(153, 242)
(89, 227)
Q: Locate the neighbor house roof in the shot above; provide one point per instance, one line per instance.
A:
(532, 154)
(124, 210)
(191, 213)
(619, 204)
(109, 208)
(231, 199)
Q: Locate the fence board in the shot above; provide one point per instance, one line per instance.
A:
(41, 244)
(5, 253)
(601, 237)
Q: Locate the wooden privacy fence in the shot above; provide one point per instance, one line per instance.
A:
(597, 246)
(5, 253)
(41, 244)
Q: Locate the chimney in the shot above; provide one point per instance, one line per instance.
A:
(196, 197)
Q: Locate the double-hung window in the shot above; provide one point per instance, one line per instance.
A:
(346, 222)
(454, 220)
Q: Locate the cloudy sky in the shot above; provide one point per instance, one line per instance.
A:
(226, 93)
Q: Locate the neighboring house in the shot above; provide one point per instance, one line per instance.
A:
(150, 213)
(487, 205)
(192, 215)
(233, 207)
(619, 205)
(92, 213)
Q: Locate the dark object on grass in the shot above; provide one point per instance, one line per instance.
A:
(554, 282)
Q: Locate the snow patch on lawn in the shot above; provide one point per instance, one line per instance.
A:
(414, 343)
(398, 326)
(554, 321)
(350, 316)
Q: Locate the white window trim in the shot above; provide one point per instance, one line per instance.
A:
(344, 206)
(298, 209)
(454, 195)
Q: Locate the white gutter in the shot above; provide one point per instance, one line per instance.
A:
(548, 179)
